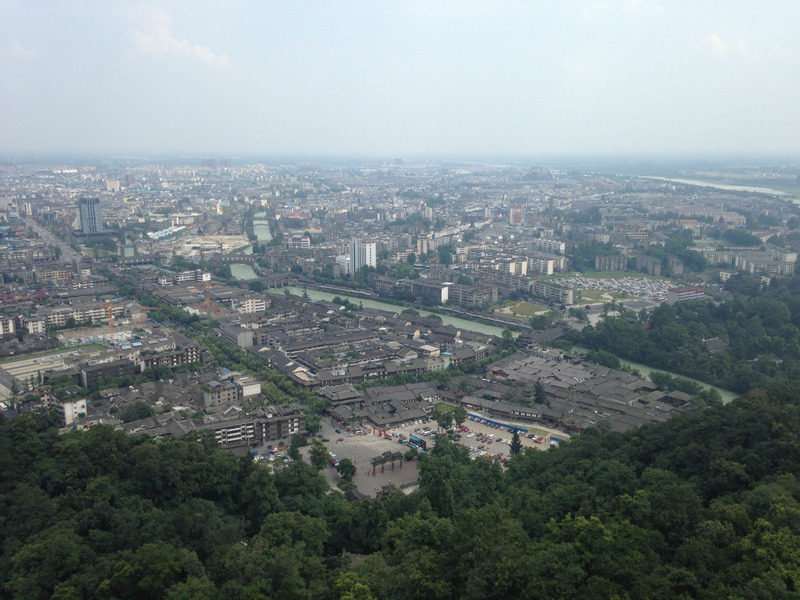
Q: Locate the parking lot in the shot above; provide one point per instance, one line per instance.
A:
(361, 449)
(499, 445)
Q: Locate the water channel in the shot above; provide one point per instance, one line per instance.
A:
(446, 319)
(722, 186)
(726, 395)
(243, 271)
(264, 235)
(261, 230)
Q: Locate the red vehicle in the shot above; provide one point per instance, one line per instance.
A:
(537, 440)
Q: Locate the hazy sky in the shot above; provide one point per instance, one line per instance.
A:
(397, 78)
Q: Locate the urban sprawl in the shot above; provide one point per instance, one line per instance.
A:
(259, 302)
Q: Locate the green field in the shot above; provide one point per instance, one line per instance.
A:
(594, 296)
(521, 310)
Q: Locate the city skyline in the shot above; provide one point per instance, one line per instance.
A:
(400, 78)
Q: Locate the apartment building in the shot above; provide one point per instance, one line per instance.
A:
(549, 246)
(187, 355)
(69, 410)
(252, 304)
(222, 393)
(235, 334)
(471, 294)
(432, 290)
(684, 294)
(58, 316)
(611, 263)
(272, 424)
(91, 374)
(553, 292)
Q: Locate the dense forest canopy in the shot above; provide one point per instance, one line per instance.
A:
(703, 506)
(761, 332)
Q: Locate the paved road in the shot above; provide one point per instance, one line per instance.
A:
(67, 253)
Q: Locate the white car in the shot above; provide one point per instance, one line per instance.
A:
(470, 434)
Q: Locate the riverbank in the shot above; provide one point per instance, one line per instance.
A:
(645, 372)
(722, 186)
(464, 324)
(726, 395)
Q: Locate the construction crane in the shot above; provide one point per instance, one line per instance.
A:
(111, 306)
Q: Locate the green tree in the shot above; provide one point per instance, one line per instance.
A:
(539, 395)
(508, 339)
(516, 444)
(579, 314)
(459, 415)
(136, 411)
(295, 444)
(738, 237)
(318, 454)
(313, 423)
(346, 469)
(411, 258)
(348, 587)
(443, 415)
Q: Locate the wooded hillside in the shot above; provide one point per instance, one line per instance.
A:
(703, 506)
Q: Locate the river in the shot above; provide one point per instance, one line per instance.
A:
(446, 319)
(263, 235)
(243, 271)
(722, 186)
(726, 395)
(261, 227)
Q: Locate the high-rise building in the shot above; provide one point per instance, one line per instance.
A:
(516, 215)
(363, 254)
(91, 218)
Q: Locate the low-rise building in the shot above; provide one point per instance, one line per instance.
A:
(553, 292)
(611, 263)
(70, 410)
(190, 354)
(91, 374)
(684, 294)
(236, 334)
(222, 393)
(272, 424)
